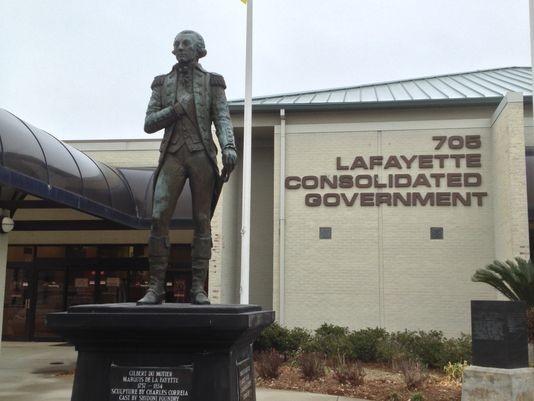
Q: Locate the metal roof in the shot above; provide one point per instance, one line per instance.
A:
(34, 162)
(469, 87)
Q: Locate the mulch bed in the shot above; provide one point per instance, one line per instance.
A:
(380, 384)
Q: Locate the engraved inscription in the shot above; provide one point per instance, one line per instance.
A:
(245, 377)
(489, 326)
(517, 323)
(150, 383)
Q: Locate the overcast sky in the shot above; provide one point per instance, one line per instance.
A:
(83, 69)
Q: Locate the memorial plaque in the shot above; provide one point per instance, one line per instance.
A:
(488, 325)
(132, 383)
(245, 377)
(499, 330)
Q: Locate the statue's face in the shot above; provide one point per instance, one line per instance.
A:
(185, 48)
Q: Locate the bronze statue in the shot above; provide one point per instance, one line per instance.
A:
(185, 102)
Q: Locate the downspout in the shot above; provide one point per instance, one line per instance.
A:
(282, 219)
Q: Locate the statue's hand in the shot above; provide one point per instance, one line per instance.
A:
(229, 159)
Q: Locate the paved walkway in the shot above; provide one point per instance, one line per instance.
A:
(33, 371)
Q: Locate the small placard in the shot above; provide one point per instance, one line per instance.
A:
(113, 282)
(325, 232)
(129, 383)
(245, 379)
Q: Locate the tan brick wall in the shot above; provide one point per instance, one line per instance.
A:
(509, 183)
(381, 268)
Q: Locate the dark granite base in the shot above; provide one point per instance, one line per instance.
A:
(500, 336)
(169, 340)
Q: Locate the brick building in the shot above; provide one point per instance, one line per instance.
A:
(371, 206)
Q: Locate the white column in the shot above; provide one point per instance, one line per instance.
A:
(3, 271)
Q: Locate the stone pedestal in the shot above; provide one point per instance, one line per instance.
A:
(170, 352)
(493, 384)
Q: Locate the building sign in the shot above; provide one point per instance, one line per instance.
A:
(432, 186)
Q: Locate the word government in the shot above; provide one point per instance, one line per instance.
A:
(396, 199)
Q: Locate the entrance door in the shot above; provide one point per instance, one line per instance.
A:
(50, 291)
(17, 304)
(112, 286)
(82, 286)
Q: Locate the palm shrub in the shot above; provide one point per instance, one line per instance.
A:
(515, 280)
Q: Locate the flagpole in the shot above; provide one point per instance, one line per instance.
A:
(247, 151)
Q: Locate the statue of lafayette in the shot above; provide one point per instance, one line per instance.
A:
(185, 102)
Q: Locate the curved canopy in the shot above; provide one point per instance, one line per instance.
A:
(34, 162)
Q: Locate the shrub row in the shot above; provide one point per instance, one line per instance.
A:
(431, 348)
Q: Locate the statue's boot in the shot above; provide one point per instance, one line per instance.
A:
(159, 249)
(201, 254)
(200, 272)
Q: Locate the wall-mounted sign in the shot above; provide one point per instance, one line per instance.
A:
(113, 281)
(81, 282)
(395, 185)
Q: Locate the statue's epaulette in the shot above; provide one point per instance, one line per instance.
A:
(158, 81)
(217, 80)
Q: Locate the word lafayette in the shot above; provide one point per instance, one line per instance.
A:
(416, 161)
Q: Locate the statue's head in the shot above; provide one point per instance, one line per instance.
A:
(189, 46)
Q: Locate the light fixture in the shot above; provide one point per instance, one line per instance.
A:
(6, 224)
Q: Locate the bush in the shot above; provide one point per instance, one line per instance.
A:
(348, 372)
(311, 365)
(413, 373)
(430, 348)
(273, 337)
(417, 397)
(364, 344)
(298, 338)
(455, 371)
(330, 340)
(331, 330)
(456, 350)
(393, 397)
(268, 364)
(285, 341)
(393, 347)
(514, 279)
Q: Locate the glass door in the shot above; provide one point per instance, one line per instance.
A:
(17, 304)
(112, 286)
(81, 287)
(50, 285)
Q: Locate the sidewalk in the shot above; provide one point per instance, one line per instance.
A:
(33, 371)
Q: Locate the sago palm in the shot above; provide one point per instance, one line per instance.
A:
(515, 280)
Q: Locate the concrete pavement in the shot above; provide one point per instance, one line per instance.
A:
(41, 371)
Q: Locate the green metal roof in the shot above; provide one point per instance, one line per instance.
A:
(484, 86)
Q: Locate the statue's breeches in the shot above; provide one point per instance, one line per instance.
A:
(173, 172)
